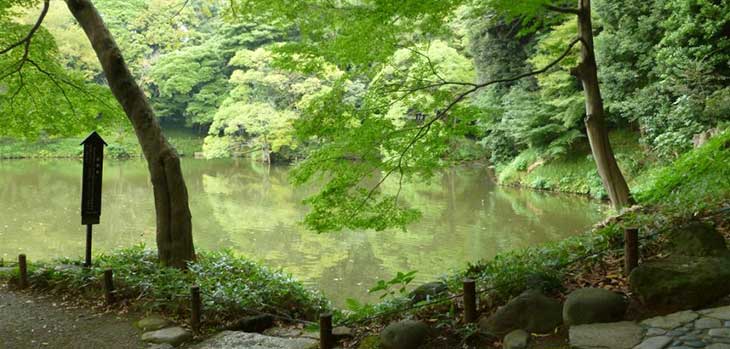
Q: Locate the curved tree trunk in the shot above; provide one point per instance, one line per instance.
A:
(611, 176)
(174, 228)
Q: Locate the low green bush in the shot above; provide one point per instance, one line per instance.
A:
(231, 286)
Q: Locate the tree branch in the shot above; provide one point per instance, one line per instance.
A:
(26, 40)
(568, 10)
(426, 127)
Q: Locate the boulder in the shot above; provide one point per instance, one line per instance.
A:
(232, 339)
(517, 339)
(681, 282)
(613, 335)
(697, 238)
(591, 305)
(256, 323)
(152, 323)
(406, 334)
(428, 291)
(171, 335)
(531, 311)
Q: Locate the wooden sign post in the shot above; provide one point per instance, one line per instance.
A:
(91, 186)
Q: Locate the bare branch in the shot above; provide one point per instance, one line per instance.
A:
(53, 80)
(26, 40)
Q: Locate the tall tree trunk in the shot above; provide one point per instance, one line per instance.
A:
(174, 228)
(587, 72)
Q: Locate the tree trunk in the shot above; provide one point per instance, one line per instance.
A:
(174, 228)
(587, 72)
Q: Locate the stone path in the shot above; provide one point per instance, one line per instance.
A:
(709, 328)
(28, 321)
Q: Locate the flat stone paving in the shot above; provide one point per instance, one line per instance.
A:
(709, 328)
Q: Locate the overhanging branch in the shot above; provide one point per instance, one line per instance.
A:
(426, 127)
(568, 10)
(26, 40)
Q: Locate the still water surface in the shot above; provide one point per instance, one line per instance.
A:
(257, 213)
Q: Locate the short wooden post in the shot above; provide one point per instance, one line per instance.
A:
(631, 250)
(325, 331)
(109, 286)
(23, 268)
(2, 262)
(470, 301)
(195, 308)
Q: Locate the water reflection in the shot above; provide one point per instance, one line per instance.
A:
(255, 212)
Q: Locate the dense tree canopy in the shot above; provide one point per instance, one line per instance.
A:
(379, 91)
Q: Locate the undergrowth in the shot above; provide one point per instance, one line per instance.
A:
(230, 286)
(574, 172)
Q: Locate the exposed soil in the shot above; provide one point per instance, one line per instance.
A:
(34, 321)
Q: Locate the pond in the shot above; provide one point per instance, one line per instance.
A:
(255, 212)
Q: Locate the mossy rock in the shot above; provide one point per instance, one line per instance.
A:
(370, 342)
(530, 311)
(697, 238)
(152, 323)
(429, 290)
(681, 282)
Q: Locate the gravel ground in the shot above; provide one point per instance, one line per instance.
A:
(30, 321)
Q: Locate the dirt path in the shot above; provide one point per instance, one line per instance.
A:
(30, 321)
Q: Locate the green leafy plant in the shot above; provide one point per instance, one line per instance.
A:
(395, 285)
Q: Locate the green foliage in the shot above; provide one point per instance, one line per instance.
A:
(38, 96)
(693, 182)
(400, 282)
(574, 172)
(261, 108)
(662, 70)
(230, 286)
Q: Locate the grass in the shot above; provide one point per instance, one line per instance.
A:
(231, 286)
(575, 172)
(121, 145)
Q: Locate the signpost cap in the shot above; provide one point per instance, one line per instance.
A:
(93, 138)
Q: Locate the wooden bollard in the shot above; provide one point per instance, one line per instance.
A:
(470, 301)
(195, 308)
(631, 250)
(326, 339)
(109, 286)
(23, 268)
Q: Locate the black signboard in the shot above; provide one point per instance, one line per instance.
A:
(91, 183)
(91, 186)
